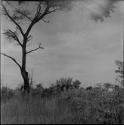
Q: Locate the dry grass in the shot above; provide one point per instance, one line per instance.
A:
(34, 110)
(72, 107)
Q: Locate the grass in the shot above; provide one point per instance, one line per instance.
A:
(70, 107)
(34, 110)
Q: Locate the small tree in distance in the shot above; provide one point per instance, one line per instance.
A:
(120, 71)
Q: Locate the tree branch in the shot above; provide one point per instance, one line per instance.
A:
(45, 21)
(39, 47)
(11, 59)
(38, 17)
(8, 15)
(19, 42)
(54, 10)
(12, 35)
(23, 14)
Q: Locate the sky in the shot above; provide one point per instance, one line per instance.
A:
(74, 46)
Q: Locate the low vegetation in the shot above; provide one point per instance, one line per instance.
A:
(64, 102)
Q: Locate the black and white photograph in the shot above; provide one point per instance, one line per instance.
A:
(62, 61)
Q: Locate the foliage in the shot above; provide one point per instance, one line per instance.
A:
(99, 106)
(6, 93)
(120, 71)
(89, 88)
(64, 84)
(76, 84)
(61, 85)
(75, 106)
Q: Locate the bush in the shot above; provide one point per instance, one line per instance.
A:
(64, 84)
(76, 84)
(75, 106)
(95, 106)
(6, 93)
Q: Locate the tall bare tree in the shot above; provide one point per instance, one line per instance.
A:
(18, 14)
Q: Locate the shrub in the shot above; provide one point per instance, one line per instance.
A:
(64, 84)
(76, 84)
(77, 106)
(6, 93)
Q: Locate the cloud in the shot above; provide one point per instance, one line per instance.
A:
(74, 46)
(100, 8)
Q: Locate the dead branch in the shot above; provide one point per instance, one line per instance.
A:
(12, 35)
(23, 14)
(13, 59)
(8, 15)
(46, 21)
(38, 17)
(39, 47)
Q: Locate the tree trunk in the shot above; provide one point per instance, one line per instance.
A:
(26, 81)
(23, 69)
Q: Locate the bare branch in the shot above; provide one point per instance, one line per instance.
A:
(24, 14)
(38, 17)
(29, 38)
(54, 10)
(12, 35)
(46, 21)
(39, 47)
(13, 59)
(8, 15)
(38, 12)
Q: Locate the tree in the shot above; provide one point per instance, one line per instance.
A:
(21, 34)
(120, 71)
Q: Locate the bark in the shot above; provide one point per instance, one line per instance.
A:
(26, 81)
(24, 73)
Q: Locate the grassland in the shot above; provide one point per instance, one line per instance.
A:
(75, 106)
